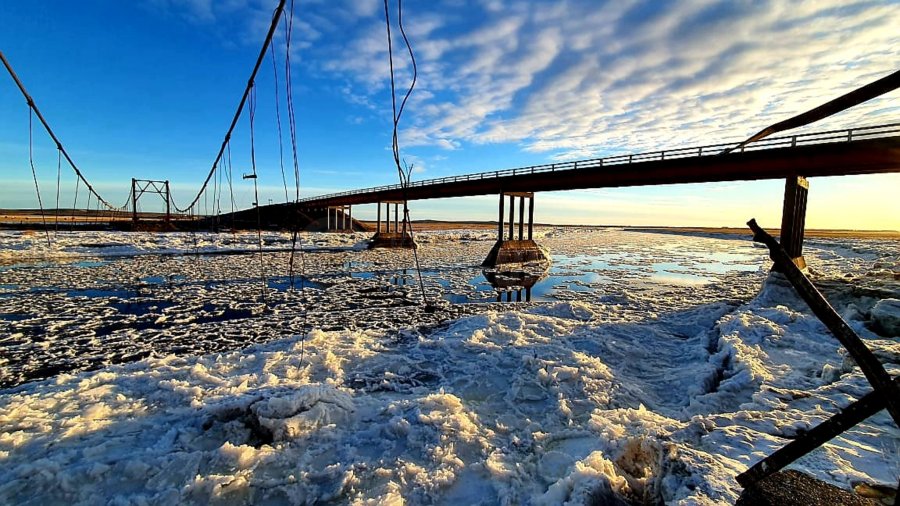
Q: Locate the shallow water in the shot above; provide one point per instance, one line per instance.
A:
(128, 295)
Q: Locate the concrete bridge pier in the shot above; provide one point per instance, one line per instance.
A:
(793, 218)
(339, 219)
(387, 237)
(511, 250)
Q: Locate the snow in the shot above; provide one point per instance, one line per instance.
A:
(635, 390)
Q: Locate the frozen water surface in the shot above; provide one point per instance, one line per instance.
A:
(185, 368)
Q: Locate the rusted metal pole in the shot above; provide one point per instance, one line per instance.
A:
(521, 218)
(500, 220)
(168, 202)
(871, 367)
(134, 216)
(530, 217)
(512, 216)
(853, 414)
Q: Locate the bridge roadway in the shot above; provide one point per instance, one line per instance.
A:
(866, 150)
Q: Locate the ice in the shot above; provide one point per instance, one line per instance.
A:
(633, 391)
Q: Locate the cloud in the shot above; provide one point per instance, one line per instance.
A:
(573, 79)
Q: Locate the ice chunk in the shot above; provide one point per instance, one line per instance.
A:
(886, 317)
(302, 411)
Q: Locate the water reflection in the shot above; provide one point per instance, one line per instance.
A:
(513, 284)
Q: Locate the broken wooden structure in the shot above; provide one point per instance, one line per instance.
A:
(886, 390)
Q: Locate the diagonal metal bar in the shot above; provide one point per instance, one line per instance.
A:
(874, 89)
(871, 367)
(853, 414)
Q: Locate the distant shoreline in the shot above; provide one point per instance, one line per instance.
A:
(23, 218)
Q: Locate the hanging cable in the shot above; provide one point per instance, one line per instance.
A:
(40, 117)
(262, 265)
(75, 202)
(278, 122)
(37, 188)
(292, 125)
(397, 113)
(262, 53)
(58, 176)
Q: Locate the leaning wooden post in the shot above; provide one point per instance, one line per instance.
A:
(871, 367)
(866, 406)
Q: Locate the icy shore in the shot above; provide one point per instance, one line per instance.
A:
(642, 389)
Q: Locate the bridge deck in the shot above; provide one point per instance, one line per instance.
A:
(869, 150)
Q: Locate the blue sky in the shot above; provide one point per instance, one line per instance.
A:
(147, 89)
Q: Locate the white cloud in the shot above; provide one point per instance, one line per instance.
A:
(574, 79)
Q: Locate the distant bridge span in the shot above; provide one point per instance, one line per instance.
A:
(869, 150)
(866, 150)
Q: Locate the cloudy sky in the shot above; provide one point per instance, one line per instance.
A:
(147, 89)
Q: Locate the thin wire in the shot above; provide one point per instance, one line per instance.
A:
(231, 186)
(58, 175)
(262, 265)
(262, 53)
(75, 202)
(278, 121)
(404, 177)
(37, 188)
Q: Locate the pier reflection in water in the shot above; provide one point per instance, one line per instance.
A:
(513, 285)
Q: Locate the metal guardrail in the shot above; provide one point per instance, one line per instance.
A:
(808, 139)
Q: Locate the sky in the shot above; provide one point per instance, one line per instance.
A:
(147, 88)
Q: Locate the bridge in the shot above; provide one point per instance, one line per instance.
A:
(864, 150)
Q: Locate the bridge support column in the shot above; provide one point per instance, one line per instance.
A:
(512, 250)
(391, 237)
(339, 218)
(793, 218)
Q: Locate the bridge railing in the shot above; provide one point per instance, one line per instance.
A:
(807, 139)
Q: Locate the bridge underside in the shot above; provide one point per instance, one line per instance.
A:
(871, 156)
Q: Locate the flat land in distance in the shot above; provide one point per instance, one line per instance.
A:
(33, 216)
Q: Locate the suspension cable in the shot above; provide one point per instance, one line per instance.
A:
(278, 122)
(397, 113)
(49, 130)
(262, 54)
(37, 188)
(262, 265)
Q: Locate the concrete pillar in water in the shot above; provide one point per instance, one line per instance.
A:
(793, 218)
(530, 217)
(500, 220)
(512, 216)
(378, 218)
(507, 249)
(521, 218)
